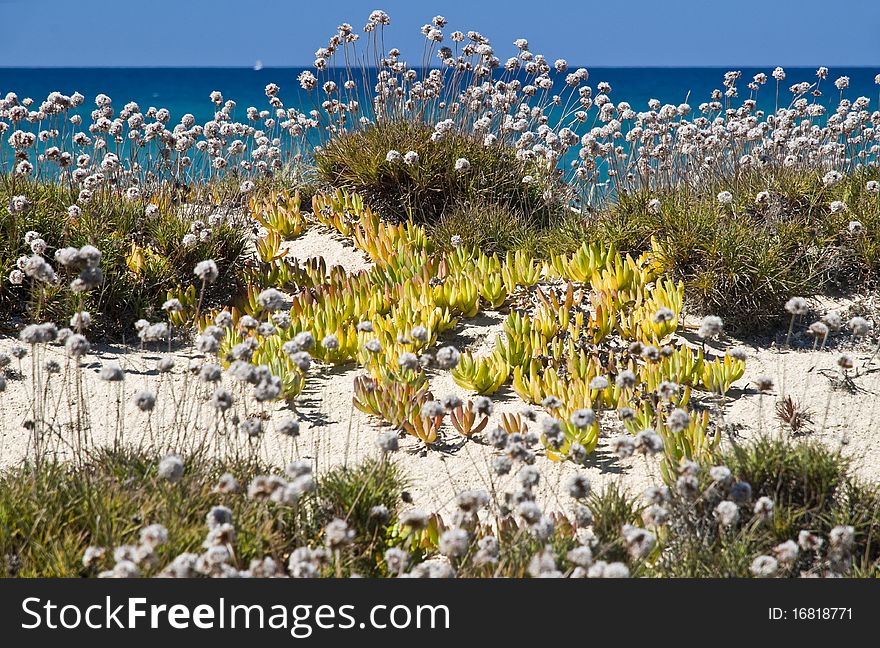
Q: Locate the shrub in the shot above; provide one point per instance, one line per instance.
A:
(811, 490)
(799, 475)
(427, 190)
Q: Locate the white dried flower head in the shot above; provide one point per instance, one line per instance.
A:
(144, 400)
(419, 333)
(727, 513)
(450, 402)
(579, 486)
(678, 421)
(528, 476)
(688, 486)
(448, 357)
(111, 373)
(154, 535)
(221, 399)
(388, 442)
(38, 333)
(583, 516)
(667, 390)
(626, 379)
(725, 198)
(639, 541)
(122, 569)
(462, 164)
(738, 353)
(373, 346)
(226, 484)
(832, 178)
(656, 494)
(252, 426)
(454, 543)
(648, 442)
(206, 271)
(393, 157)
(663, 315)
(872, 186)
(302, 360)
(77, 345)
(472, 500)
(337, 534)
(172, 306)
(623, 446)
(710, 327)
(599, 383)
(582, 418)
(601, 569)
(396, 561)
(859, 326)
(271, 300)
(762, 198)
(856, 228)
(764, 567)
(223, 319)
(837, 206)
(721, 474)
(786, 552)
(502, 464)
(763, 383)
(411, 158)
(408, 361)
(171, 468)
(288, 426)
(655, 515)
(845, 361)
(433, 409)
(841, 538)
(764, 508)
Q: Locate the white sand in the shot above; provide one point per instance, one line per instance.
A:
(333, 432)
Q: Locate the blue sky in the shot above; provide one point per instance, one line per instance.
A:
(586, 32)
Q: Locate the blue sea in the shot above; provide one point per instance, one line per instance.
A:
(186, 90)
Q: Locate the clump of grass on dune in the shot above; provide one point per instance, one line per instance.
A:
(817, 518)
(147, 249)
(50, 515)
(431, 186)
